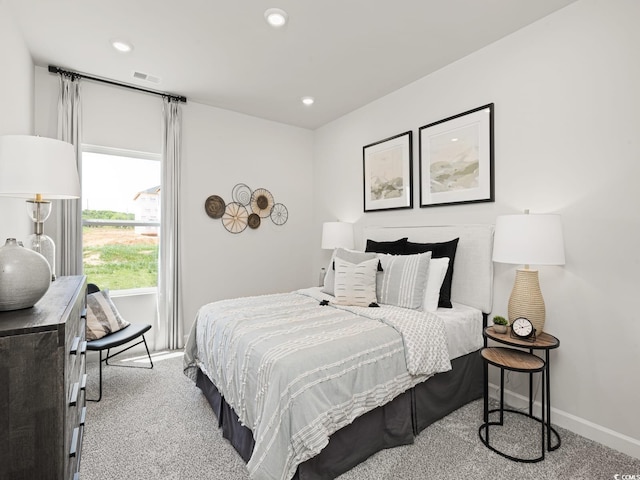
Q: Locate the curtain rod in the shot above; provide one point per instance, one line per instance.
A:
(54, 69)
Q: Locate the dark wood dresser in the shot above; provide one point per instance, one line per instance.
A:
(42, 384)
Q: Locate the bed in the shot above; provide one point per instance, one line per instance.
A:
(304, 388)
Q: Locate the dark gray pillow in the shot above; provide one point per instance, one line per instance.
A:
(439, 250)
(395, 247)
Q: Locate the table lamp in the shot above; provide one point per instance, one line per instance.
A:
(528, 240)
(39, 169)
(337, 235)
(334, 235)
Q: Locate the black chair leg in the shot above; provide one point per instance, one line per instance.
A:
(144, 340)
(100, 376)
(106, 362)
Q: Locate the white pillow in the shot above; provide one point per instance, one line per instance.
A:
(351, 256)
(435, 277)
(355, 283)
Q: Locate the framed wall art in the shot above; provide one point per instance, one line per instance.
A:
(456, 159)
(388, 173)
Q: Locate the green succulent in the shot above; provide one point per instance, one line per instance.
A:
(498, 320)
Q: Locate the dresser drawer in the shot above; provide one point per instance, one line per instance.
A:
(75, 382)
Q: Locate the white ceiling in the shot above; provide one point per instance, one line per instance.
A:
(345, 53)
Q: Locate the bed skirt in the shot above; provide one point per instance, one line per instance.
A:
(390, 425)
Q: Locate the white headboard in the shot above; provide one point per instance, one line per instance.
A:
(473, 267)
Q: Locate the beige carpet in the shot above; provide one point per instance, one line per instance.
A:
(155, 424)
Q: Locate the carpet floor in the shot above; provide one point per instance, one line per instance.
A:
(156, 424)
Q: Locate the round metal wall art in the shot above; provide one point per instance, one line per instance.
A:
(241, 193)
(254, 220)
(262, 202)
(279, 214)
(247, 209)
(214, 206)
(235, 217)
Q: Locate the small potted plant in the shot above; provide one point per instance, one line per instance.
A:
(500, 324)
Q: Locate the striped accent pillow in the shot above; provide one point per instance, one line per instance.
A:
(350, 256)
(102, 316)
(355, 283)
(404, 280)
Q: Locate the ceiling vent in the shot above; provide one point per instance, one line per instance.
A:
(146, 77)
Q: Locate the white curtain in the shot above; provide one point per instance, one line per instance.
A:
(69, 215)
(169, 332)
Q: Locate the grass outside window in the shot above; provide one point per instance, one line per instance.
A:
(118, 258)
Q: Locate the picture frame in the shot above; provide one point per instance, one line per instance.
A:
(457, 159)
(388, 173)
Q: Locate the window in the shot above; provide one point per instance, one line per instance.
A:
(120, 217)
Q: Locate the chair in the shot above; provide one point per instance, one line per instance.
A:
(116, 339)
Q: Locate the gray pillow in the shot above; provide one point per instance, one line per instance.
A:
(350, 256)
(403, 280)
(103, 317)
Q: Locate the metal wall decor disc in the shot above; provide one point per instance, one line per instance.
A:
(254, 220)
(235, 217)
(214, 206)
(262, 202)
(279, 214)
(241, 193)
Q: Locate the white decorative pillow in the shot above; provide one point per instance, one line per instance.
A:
(351, 256)
(403, 281)
(102, 316)
(355, 283)
(435, 277)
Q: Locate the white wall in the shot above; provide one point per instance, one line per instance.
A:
(111, 116)
(220, 149)
(16, 114)
(566, 130)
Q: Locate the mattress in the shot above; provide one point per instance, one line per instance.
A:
(463, 329)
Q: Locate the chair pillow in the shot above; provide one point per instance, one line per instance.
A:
(439, 250)
(403, 280)
(351, 256)
(435, 277)
(102, 316)
(355, 283)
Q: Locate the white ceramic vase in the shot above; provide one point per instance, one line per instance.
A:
(25, 276)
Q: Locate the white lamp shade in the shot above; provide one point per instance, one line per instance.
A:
(529, 240)
(37, 165)
(337, 235)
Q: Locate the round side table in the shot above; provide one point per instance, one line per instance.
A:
(516, 361)
(542, 341)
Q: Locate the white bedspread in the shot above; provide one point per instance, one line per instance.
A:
(295, 372)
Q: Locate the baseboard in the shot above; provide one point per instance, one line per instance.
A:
(580, 426)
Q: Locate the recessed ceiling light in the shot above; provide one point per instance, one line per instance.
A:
(308, 100)
(122, 46)
(276, 17)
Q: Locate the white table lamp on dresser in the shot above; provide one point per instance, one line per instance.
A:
(39, 169)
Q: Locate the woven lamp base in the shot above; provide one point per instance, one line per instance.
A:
(526, 299)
